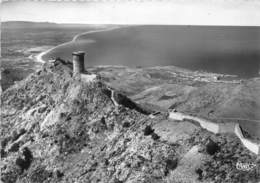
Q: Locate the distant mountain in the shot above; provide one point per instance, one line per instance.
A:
(21, 24)
(26, 24)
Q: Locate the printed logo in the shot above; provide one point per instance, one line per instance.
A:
(245, 166)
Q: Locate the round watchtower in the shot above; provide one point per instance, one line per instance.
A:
(78, 62)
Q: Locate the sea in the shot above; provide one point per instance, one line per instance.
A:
(220, 49)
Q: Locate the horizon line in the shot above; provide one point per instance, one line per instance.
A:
(137, 24)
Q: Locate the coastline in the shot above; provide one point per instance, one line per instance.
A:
(95, 31)
(38, 57)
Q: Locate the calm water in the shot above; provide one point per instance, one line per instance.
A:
(228, 50)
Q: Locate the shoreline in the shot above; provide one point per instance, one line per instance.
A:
(38, 57)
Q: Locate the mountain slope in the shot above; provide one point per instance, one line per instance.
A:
(57, 128)
(224, 100)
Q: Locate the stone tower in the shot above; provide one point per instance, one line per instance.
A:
(78, 62)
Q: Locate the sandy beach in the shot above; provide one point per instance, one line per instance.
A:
(39, 57)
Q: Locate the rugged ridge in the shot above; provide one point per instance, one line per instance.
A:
(57, 128)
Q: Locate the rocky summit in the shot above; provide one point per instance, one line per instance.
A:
(58, 128)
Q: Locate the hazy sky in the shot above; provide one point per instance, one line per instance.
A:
(188, 12)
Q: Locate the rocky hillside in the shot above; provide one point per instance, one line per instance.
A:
(58, 128)
(225, 99)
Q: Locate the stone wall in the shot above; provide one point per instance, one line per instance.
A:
(219, 128)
